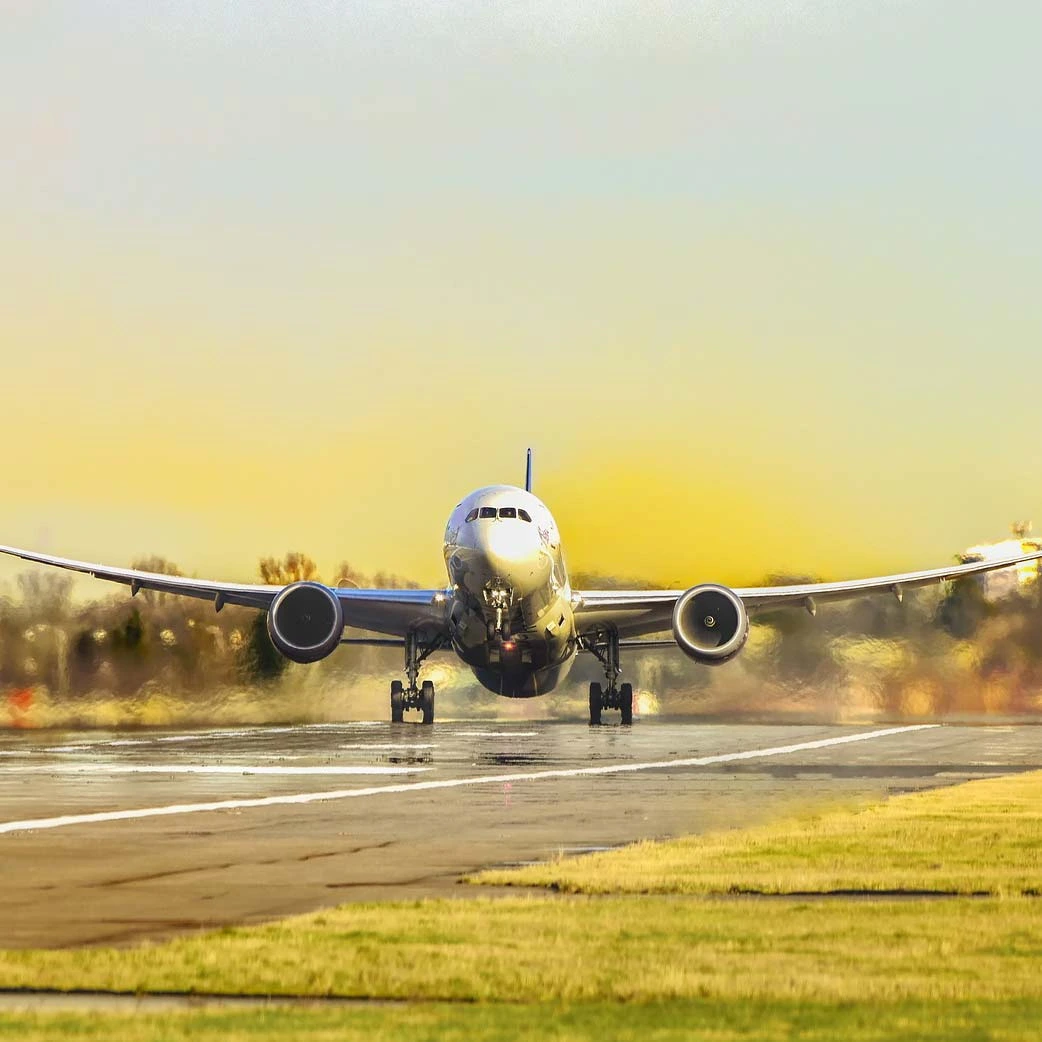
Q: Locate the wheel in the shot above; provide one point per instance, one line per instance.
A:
(397, 702)
(626, 702)
(427, 702)
(595, 704)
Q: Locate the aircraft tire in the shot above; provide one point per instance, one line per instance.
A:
(427, 702)
(397, 702)
(595, 704)
(626, 702)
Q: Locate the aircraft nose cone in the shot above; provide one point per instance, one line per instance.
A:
(513, 550)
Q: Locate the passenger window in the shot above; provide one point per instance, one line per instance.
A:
(488, 512)
(507, 512)
(523, 514)
(473, 514)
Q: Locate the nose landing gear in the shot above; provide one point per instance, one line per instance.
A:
(415, 696)
(611, 695)
(499, 606)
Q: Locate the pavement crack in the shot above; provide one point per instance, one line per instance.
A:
(171, 873)
(356, 884)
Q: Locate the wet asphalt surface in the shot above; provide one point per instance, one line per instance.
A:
(314, 815)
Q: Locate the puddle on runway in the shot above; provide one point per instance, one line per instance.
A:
(514, 760)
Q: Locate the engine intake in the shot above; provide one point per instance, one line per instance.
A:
(306, 621)
(710, 624)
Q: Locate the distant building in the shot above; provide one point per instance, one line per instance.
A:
(997, 585)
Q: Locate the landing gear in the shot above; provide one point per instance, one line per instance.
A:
(611, 695)
(414, 696)
(403, 699)
(626, 702)
(427, 702)
(621, 698)
(596, 698)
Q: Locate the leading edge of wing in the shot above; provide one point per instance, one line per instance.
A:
(248, 595)
(642, 610)
(382, 610)
(776, 596)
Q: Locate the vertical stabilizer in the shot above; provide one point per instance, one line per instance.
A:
(528, 472)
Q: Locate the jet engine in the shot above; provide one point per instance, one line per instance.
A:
(710, 624)
(306, 621)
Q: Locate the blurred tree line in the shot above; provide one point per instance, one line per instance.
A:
(945, 650)
(118, 644)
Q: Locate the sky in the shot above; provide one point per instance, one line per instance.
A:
(757, 282)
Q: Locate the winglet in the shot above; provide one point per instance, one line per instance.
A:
(528, 472)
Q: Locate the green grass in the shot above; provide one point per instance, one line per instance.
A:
(680, 1021)
(675, 963)
(983, 837)
(580, 949)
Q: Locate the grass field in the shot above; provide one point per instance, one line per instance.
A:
(579, 949)
(984, 837)
(677, 963)
(597, 1022)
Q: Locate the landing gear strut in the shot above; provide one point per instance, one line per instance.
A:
(414, 696)
(611, 695)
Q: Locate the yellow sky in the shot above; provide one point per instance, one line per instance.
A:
(756, 305)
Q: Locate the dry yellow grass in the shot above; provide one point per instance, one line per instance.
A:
(983, 837)
(581, 949)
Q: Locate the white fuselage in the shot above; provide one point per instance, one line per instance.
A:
(511, 613)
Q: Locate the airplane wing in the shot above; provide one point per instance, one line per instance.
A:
(393, 612)
(636, 613)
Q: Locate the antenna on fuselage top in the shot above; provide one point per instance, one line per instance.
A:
(528, 472)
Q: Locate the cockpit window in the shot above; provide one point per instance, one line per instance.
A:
(523, 514)
(508, 511)
(473, 514)
(487, 512)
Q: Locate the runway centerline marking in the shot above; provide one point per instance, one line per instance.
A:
(447, 783)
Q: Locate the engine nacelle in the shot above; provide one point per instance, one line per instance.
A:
(306, 621)
(710, 624)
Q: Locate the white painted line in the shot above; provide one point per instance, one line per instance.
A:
(206, 736)
(142, 741)
(493, 734)
(202, 768)
(393, 746)
(195, 736)
(445, 783)
(200, 736)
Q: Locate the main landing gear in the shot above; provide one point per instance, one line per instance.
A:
(611, 695)
(414, 696)
(422, 699)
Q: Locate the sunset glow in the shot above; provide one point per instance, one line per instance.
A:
(760, 289)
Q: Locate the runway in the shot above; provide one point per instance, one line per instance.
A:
(108, 837)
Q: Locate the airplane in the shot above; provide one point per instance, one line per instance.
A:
(509, 611)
